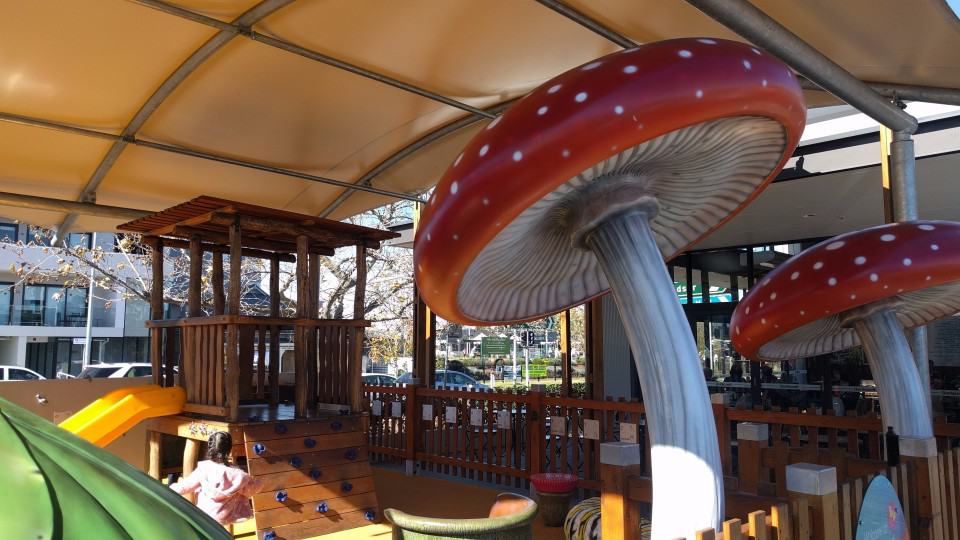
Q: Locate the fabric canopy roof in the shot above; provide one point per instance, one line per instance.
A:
(159, 73)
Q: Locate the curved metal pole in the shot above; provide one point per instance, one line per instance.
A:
(908, 92)
(687, 476)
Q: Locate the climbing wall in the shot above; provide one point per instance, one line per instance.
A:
(315, 476)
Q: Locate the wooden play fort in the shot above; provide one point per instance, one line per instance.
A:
(311, 457)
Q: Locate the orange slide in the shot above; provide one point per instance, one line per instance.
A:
(112, 415)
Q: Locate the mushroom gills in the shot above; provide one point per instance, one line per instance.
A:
(699, 174)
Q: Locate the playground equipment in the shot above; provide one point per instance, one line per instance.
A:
(59, 486)
(115, 413)
(588, 184)
(511, 517)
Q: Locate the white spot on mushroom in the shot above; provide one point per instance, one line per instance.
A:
(899, 291)
(765, 282)
(859, 261)
(618, 109)
(934, 247)
(614, 148)
(518, 155)
(683, 53)
(929, 278)
(747, 65)
(888, 238)
(853, 297)
(428, 237)
(629, 70)
(763, 83)
(874, 278)
(907, 262)
(738, 330)
(433, 199)
(495, 122)
(565, 153)
(761, 305)
(748, 310)
(454, 187)
(802, 312)
(818, 265)
(484, 149)
(456, 236)
(707, 41)
(833, 246)
(794, 276)
(755, 51)
(542, 110)
(763, 321)
(699, 93)
(926, 227)
(580, 97)
(457, 161)
(773, 296)
(486, 201)
(553, 89)
(591, 65)
(420, 267)
(832, 281)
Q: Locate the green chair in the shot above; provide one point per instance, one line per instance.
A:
(510, 518)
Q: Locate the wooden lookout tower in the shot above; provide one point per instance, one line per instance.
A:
(311, 457)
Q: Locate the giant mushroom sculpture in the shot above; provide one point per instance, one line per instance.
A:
(860, 288)
(588, 184)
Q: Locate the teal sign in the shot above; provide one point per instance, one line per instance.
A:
(494, 346)
(881, 516)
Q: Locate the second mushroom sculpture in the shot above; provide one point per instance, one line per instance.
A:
(588, 184)
(860, 288)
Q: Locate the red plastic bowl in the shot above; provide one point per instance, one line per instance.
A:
(554, 482)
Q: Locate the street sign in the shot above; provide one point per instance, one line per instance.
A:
(495, 346)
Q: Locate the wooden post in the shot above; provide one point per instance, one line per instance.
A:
(818, 485)
(620, 517)
(274, 331)
(313, 302)
(232, 381)
(593, 330)
(411, 428)
(751, 438)
(156, 308)
(196, 268)
(926, 513)
(359, 312)
(154, 457)
(300, 342)
(719, 403)
(535, 441)
(566, 381)
(217, 284)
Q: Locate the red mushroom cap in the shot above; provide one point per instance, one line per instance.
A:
(796, 310)
(625, 108)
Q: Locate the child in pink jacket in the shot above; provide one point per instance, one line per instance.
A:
(223, 492)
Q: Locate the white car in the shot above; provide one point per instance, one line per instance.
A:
(17, 373)
(116, 371)
(450, 380)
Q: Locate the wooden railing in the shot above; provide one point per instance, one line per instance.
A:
(221, 360)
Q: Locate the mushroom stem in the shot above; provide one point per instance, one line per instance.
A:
(687, 477)
(902, 401)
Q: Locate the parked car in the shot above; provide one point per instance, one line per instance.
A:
(381, 379)
(17, 373)
(451, 380)
(116, 371)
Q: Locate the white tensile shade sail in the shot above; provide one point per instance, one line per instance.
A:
(95, 64)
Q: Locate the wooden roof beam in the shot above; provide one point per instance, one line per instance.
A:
(214, 248)
(270, 226)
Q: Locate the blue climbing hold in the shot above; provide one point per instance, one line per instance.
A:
(259, 449)
(351, 454)
(323, 507)
(280, 429)
(295, 462)
(269, 535)
(309, 443)
(336, 425)
(370, 515)
(347, 487)
(281, 495)
(315, 474)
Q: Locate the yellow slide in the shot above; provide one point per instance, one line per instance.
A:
(112, 415)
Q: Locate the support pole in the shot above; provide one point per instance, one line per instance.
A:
(620, 516)
(191, 452)
(154, 457)
(817, 485)
(593, 330)
(233, 334)
(274, 332)
(300, 335)
(219, 299)
(196, 267)
(566, 384)
(313, 301)
(359, 309)
(156, 310)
